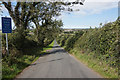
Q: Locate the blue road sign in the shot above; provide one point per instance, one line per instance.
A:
(6, 25)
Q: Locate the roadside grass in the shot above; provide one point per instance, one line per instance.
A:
(44, 51)
(48, 47)
(0, 32)
(9, 71)
(98, 66)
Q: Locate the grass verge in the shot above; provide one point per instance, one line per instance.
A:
(0, 32)
(44, 50)
(17, 64)
(101, 67)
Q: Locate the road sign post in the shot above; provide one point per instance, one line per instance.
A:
(6, 28)
(7, 44)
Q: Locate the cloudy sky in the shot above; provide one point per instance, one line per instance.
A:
(92, 13)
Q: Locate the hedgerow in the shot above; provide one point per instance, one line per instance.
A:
(104, 42)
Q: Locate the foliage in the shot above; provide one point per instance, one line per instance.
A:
(68, 39)
(14, 64)
(61, 39)
(23, 41)
(23, 13)
(103, 42)
(99, 66)
(71, 40)
(41, 14)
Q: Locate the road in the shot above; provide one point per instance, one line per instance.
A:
(58, 64)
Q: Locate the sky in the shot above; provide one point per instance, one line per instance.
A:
(92, 13)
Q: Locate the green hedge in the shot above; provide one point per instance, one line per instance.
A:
(103, 42)
(72, 39)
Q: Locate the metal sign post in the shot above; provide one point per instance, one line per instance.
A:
(7, 44)
(6, 28)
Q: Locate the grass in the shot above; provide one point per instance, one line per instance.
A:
(0, 32)
(49, 47)
(17, 64)
(102, 68)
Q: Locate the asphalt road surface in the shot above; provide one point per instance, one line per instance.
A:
(58, 64)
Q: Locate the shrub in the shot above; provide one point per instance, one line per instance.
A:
(71, 40)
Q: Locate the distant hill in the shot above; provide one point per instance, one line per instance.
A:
(69, 30)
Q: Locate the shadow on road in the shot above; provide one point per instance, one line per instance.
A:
(55, 49)
(56, 46)
(47, 61)
(58, 51)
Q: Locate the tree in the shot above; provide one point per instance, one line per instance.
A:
(41, 13)
(100, 25)
(21, 13)
(43, 19)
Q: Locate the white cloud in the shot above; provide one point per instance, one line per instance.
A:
(94, 7)
(90, 7)
(102, 0)
(5, 11)
(90, 0)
